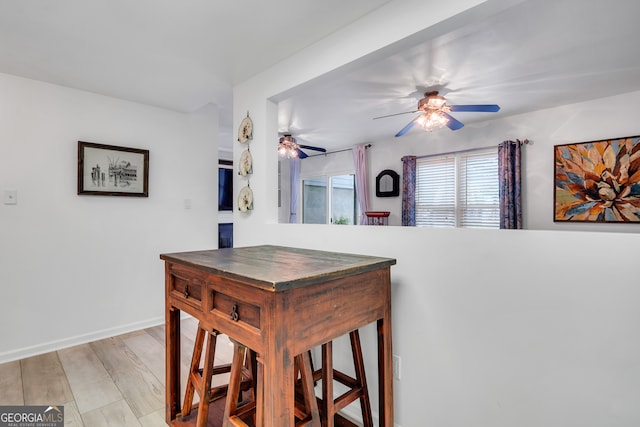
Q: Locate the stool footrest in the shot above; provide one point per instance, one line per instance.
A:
(341, 377)
(220, 369)
(235, 421)
(347, 398)
(246, 409)
(306, 422)
(345, 379)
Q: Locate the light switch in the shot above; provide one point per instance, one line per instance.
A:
(10, 197)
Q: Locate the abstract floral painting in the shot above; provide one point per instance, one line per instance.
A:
(598, 181)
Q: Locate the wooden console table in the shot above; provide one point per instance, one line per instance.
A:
(280, 302)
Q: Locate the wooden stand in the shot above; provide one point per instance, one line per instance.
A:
(377, 217)
(280, 302)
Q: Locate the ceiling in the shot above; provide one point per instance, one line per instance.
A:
(182, 56)
(173, 54)
(537, 54)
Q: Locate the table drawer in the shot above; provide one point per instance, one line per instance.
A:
(234, 309)
(185, 287)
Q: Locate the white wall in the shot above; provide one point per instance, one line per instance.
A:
(501, 328)
(495, 328)
(76, 268)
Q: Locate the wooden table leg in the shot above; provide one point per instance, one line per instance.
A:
(385, 372)
(172, 339)
(258, 385)
(278, 390)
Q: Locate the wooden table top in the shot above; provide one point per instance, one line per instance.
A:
(278, 268)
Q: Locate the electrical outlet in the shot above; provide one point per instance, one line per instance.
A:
(397, 365)
(10, 197)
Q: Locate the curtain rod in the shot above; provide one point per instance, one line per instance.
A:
(523, 142)
(337, 151)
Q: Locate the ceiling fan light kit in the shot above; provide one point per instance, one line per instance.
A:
(431, 101)
(432, 120)
(435, 113)
(289, 147)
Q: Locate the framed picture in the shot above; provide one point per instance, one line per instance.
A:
(109, 170)
(598, 181)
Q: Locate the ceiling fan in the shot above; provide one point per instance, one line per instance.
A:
(289, 147)
(435, 113)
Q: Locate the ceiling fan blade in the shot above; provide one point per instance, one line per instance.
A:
(396, 114)
(406, 128)
(308, 147)
(301, 154)
(485, 108)
(453, 123)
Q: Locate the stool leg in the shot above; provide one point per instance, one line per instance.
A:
(328, 404)
(193, 370)
(231, 406)
(252, 372)
(259, 392)
(207, 371)
(199, 380)
(357, 387)
(311, 404)
(361, 378)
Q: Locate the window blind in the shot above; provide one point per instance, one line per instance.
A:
(458, 190)
(436, 192)
(478, 190)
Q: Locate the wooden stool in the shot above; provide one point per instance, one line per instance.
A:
(329, 406)
(306, 412)
(199, 379)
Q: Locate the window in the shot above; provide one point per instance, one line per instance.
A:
(458, 190)
(314, 201)
(343, 199)
(331, 197)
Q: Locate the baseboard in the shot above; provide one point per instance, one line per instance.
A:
(354, 415)
(47, 347)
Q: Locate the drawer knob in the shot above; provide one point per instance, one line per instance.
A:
(186, 291)
(234, 313)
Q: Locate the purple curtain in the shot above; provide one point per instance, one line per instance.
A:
(294, 188)
(409, 190)
(509, 185)
(362, 180)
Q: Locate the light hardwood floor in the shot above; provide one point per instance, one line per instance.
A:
(117, 381)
